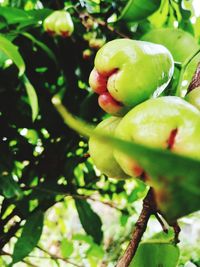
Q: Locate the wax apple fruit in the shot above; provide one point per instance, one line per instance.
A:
(59, 23)
(101, 154)
(165, 122)
(180, 43)
(127, 72)
(193, 97)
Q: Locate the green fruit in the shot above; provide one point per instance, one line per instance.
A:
(127, 72)
(167, 123)
(181, 44)
(59, 23)
(87, 53)
(49, 23)
(193, 97)
(64, 25)
(101, 154)
(96, 43)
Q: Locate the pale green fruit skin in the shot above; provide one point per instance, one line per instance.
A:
(143, 69)
(49, 22)
(101, 154)
(181, 44)
(59, 22)
(151, 124)
(64, 24)
(193, 97)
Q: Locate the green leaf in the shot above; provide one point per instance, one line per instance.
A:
(11, 51)
(156, 255)
(42, 45)
(67, 248)
(14, 15)
(89, 220)
(32, 96)
(23, 18)
(30, 236)
(136, 10)
(9, 188)
(177, 187)
(3, 58)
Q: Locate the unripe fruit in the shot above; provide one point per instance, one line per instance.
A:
(49, 23)
(127, 72)
(180, 43)
(193, 97)
(101, 154)
(96, 43)
(166, 122)
(87, 53)
(59, 23)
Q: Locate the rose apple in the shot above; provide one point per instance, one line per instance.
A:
(59, 23)
(49, 23)
(127, 72)
(64, 25)
(166, 122)
(180, 43)
(101, 154)
(193, 97)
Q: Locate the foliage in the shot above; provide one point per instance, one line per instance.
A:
(44, 166)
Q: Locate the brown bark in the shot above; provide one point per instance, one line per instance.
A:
(149, 208)
(195, 79)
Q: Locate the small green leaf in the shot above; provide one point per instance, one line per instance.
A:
(30, 236)
(156, 255)
(9, 188)
(67, 248)
(32, 96)
(11, 51)
(89, 220)
(136, 10)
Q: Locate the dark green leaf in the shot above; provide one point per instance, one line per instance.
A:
(9, 188)
(30, 236)
(13, 15)
(136, 10)
(89, 220)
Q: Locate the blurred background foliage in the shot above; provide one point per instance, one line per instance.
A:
(56, 208)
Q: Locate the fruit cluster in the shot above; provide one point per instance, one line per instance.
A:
(59, 23)
(129, 77)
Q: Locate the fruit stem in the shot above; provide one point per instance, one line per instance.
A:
(195, 79)
(159, 219)
(149, 208)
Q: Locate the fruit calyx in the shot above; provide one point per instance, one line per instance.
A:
(98, 82)
(171, 140)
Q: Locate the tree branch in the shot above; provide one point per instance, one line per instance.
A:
(56, 257)
(149, 208)
(4, 253)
